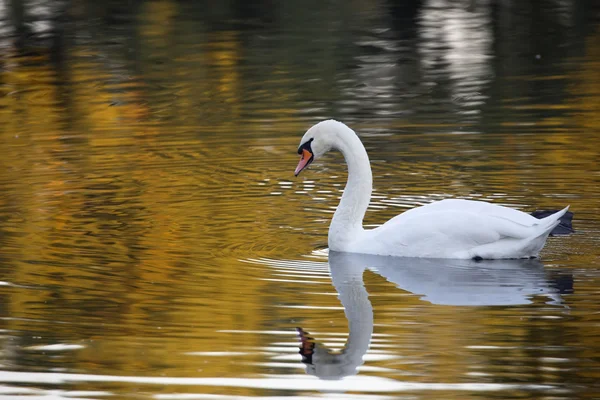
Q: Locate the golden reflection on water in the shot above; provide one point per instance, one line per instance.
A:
(139, 191)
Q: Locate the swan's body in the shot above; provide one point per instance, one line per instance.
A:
(444, 229)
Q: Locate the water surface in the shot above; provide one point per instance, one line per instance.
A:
(154, 242)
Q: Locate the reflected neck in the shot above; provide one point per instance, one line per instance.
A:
(347, 221)
(348, 281)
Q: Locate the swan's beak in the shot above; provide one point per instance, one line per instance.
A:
(305, 160)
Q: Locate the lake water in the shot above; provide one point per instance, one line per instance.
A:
(154, 242)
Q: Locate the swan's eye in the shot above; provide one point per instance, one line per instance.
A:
(305, 145)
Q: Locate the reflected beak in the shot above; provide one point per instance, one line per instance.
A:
(305, 161)
(307, 346)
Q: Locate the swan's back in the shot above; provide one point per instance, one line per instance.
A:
(457, 228)
(472, 207)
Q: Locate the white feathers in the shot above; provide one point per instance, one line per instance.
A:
(445, 229)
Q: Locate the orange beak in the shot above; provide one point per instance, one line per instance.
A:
(305, 160)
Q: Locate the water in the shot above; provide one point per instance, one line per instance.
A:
(154, 242)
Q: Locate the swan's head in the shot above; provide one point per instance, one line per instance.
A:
(317, 141)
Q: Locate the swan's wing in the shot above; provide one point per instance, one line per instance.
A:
(473, 207)
(443, 226)
(451, 228)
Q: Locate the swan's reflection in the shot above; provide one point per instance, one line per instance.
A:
(438, 281)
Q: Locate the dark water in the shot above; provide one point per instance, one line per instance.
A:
(154, 242)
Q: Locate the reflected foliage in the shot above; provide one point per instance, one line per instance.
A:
(147, 152)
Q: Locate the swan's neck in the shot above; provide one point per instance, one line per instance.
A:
(347, 223)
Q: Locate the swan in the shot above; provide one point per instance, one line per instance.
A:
(451, 228)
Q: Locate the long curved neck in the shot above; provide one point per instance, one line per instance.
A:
(348, 218)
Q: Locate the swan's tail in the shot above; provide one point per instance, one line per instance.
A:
(533, 245)
(547, 224)
(565, 225)
(526, 246)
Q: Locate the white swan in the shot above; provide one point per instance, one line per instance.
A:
(445, 229)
